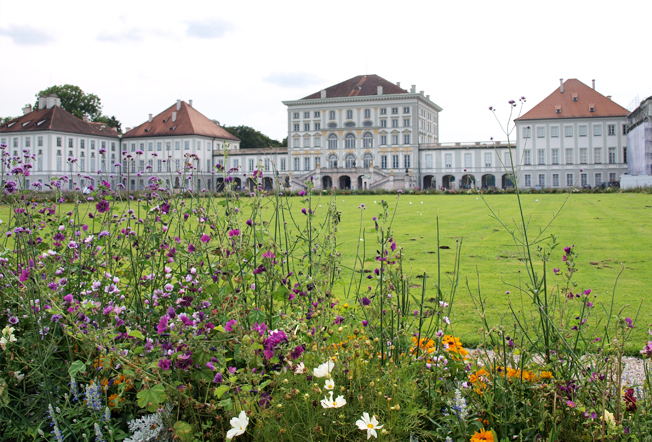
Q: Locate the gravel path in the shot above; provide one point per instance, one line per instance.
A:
(633, 374)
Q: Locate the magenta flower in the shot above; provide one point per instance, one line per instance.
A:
(191, 248)
(229, 325)
(302, 193)
(102, 206)
(304, 211)
(250, 223)
(365, 301)
(205, 239)
(234, 232)
(164, 364)
(218, 379)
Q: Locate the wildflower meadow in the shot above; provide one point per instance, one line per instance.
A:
(163, 316)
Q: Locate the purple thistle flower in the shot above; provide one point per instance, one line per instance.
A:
(102, 206)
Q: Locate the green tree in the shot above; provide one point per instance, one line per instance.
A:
(75, 100)
(251, 138)
(6, 119)
(110, 121)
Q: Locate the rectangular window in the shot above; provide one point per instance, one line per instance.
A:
(383, 123)
(569, 156)
(467, 160)
(112, 147)
(598, 179)
(597, 155)
(429, 160)
(306, 163)
(59, 164)
(39, 141)
(306, 115)
(406, 161)
(555, 180)
(541, 156)
(266, 164)
(317, 114)
(133, 146)
(406, 122)
(394, 139)
(236, 163)
(142, 147)
(527, 159)
(317, 141)
(583, 155)
(542, 180)
(70, 142)
(582, 131)
(150, 147)
(295, 142)
(317, 162)
(159, 165)
(612, 177)
(282, 164)
(611, 129)
(349, 114)
(297, 163)
(296, 127)
(395, 110)
(554, 132)
(28, 142)
(383, 161)
(159, 146)
(569, 180)
(568, 131)
(295, 115)
(394, 122)
(508, 160)
(584, 179)
(383, 111)
(383, 140)
(367, 113)
(406, 139)
(59, 142)
(306, 126)
(306, 141)
(395, 164)
(317, 126)
(82, 164)
(448, 160)
(406, 110)
(528, 180)
(555, 156)
(177, 145)
(251, 165)
(612, 155)
(541, 132)
(597, 130)
(625, 155)
(527, 132)
(186, 145)
(331, 115)
(39, 164)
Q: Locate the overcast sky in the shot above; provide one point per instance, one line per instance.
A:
(238, 60)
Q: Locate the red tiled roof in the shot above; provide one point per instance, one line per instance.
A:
(189, 122)
(359, 86)
(587, 98)
(56, 118)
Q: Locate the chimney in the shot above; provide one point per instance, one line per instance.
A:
(41, 102)
(413, 89)
(28, 108)
(421, 92)
(85, 118)
(323, 93)
(427, 97)
(379, 90)
(127, 130)
(561, 85)
(190, 103)
(150, 118)
(174, 117)
(593, 84)
(608, 97)
(398, 83)
(178, 104)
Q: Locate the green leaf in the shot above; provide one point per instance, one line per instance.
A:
(221, 390)
(76, 367)
(152, 398)
(183, 430)
(135, 333)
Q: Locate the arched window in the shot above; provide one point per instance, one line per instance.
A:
(332, 141)
(332, 161)
(349, 142)
(368, 160)
(350, 161)
(368, 141)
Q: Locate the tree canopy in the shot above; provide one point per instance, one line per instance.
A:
(251, 138)
(79, 103)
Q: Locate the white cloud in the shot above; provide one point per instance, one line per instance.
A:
(214, 28)
(27, 35)
(293, 79)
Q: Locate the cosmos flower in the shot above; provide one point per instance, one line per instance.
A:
(370, 425)
(329, 402)
(239, 425)
(324, 369)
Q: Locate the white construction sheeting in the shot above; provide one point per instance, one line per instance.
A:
(639, 149)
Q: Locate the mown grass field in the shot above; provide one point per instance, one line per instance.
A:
(611, 232)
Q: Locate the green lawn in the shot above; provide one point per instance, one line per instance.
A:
(609, 231)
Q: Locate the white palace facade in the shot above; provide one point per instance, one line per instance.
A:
(365, 133)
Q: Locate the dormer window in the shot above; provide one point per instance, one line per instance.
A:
(26, 123)
(575, 97)
(558, 109)
(173, 127)
(148, 129)
(166, 120)
(40, 122)
(11, 124)
(591, 107)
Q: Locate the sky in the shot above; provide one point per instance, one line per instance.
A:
(239, 60)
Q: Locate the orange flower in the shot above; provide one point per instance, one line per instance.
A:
(453, 345)
(483, 436)
(478, 380)
(425, 346)
(545, 375)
